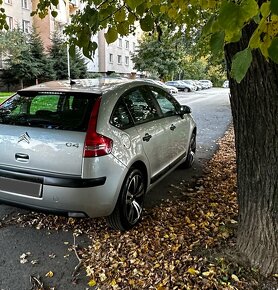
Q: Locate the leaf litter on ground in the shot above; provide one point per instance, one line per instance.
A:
(187, 243)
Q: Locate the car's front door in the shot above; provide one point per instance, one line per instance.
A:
(176, 127)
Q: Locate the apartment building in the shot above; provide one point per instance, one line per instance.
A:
(116, 57)
(18, 14)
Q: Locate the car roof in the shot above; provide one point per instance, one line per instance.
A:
(96, 86)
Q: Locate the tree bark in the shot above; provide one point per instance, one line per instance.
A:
(254, 104)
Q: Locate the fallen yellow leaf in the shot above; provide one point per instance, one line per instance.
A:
(235, 277)
(49, 274)
(193, 271)
(113, 283)
(92, 283)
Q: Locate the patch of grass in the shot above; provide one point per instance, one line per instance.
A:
(5, 94)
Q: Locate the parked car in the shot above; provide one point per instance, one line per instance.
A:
(91, 147)
(170, 89)
(207, 84)
(198, 85)
(181, 86)
(226, 84)
(192, 86)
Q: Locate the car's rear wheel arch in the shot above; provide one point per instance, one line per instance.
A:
(142, 167)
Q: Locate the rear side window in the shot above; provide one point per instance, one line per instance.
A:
(120, 117)
(51, 110)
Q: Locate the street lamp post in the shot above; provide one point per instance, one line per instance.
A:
(68, 22)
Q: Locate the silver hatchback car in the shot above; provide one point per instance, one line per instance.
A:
(91, 147)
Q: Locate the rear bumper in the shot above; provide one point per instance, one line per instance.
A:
(52, 179)
(63, 195)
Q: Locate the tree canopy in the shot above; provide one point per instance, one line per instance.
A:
(161, 57)
(221, 21)
(172, 57)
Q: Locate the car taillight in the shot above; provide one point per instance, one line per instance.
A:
(96, 144)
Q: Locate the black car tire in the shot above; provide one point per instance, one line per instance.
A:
(129, 207)
(191, 152)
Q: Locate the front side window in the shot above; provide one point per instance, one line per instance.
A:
(141, 106)
(63, 111)
(167, 104)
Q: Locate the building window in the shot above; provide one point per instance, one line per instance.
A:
(24, 4)
(134, 46)
(127, 44)
(8, 2)
(110, 57)
(26, 26)
(120, 42)
(10, 22)
(127, 60)
(119, 59)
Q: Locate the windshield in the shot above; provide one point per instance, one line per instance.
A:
(52, 110)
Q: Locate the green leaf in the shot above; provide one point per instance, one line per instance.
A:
(111, 35)
(120, 15)
(54, 13)
(265, 9)
(235, 16)
(55, 2)
(208, 26)
(241, 63)
(249, 9)
(123, 28)
(141, 9)
(217, 42)
(133, 3)
(274, 6)
(273, 50)
(147, 23)
(131, 18)
(229, 15)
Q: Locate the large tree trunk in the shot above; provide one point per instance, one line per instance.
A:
(254, 105)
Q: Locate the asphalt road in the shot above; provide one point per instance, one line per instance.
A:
(49, 250)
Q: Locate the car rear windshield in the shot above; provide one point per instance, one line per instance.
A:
(51, 110)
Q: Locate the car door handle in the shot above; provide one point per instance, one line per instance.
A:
(22, 157)
(147, 137)
(173, 127)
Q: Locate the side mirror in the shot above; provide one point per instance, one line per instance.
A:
(184, 110)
